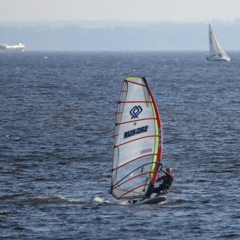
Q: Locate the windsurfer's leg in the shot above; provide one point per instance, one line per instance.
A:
(158, 189)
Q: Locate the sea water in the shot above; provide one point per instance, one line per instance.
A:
(57, 114)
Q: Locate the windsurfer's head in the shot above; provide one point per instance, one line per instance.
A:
(169, 170)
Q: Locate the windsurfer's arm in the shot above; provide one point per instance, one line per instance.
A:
(168, 174)
(160, 178)
(164, 176)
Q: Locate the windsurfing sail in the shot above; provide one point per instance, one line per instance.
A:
(138, 141)
(216, 52)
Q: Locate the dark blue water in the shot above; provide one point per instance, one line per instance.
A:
(57, 116)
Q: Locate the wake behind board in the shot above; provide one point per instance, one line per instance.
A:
(154, 200)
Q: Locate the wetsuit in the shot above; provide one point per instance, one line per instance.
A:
(166, 184)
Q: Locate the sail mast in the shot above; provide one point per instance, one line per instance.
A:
(159, 146)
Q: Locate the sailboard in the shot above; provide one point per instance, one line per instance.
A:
(216, 52)
(138, 143)
(154, 200)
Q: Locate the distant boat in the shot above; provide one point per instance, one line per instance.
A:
(216, 53)
(18, 47)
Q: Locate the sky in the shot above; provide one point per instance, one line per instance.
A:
(119, 10)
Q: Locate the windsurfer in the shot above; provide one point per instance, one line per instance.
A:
(166, 182)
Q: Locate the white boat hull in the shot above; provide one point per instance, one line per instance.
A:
(18, 47)
(217, 58)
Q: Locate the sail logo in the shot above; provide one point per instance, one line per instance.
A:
(135, 111)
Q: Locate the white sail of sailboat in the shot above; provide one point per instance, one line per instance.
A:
(216, 53)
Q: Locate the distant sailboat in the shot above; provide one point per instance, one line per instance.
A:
(216, 53)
